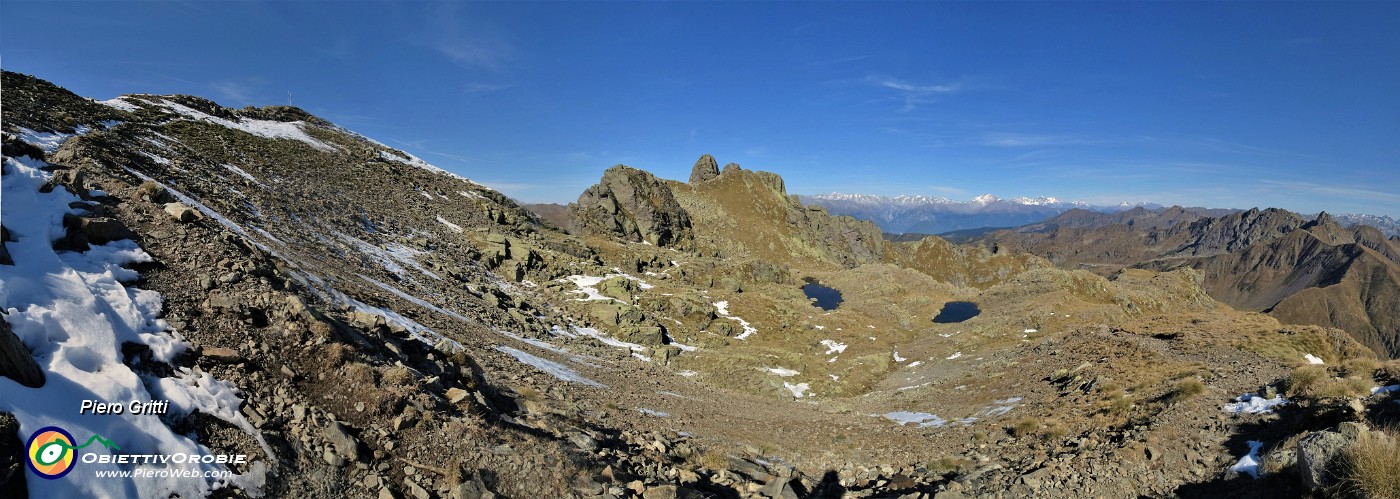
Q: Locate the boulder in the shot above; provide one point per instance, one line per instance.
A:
(618, 287)
(16, 362)
(1317, 452)
(705, 168)
(642, 335)
(632, 205)
(180, 212)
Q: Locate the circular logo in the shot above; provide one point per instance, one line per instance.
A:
(50, 452)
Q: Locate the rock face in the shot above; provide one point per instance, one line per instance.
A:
(1316, 453)
(705, 168)
(633, 205)
(16, 362)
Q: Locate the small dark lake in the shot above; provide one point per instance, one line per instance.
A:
(827, 298)
(957, 311)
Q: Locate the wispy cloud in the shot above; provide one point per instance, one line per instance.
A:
(478, 87)
(467, 49)
(243, 91)
(420, 146)
(913, 94)
(1346, 192)
(1009, 139)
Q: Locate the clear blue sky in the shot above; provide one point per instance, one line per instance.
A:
(1295, 105)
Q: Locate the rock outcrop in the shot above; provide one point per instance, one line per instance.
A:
(16, 362)
(633, 205)
(705, 168)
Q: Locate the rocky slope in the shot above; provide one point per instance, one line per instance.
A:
(377, 327)
(1302, 271)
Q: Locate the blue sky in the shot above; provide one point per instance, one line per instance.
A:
(1294, 105)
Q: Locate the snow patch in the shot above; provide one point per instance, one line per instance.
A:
(455, 228)
(1250, 403)
(722, 307)
(263, 128)
(833, 346)
(954, 356)
(783, 372)
(1313, 359)
(74, 311)
(1250, 462)
(798, 390)
(920, 419)
(653, 413)
(550, 367)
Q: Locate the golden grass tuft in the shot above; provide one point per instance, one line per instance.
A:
(1185, 389)
(1373, 465)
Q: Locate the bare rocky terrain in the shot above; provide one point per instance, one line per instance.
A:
(394, 330)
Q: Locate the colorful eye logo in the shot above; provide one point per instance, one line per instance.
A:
(50, 452)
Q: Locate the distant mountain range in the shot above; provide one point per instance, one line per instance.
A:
(937, 215)
(913, 214)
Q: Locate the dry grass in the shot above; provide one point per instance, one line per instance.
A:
(1023, 427)
(714, 460)
(1316, 382)
(1373, 465)
(1186, 389)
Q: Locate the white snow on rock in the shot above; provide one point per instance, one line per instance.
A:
(416, 300)
(784, 372)
(897, 358)
(392, 256)
(722, 307)
(798, 390)
(241, 173)
(654, 413)
(549, 367)
(1313, 359)
(74, 311)
(1250, 462)
(1029, 331)
(120, 103)
(954, 356)
(833, 346)
(455, 228)
(262, 128)
(588, 285)
(1250, 403)
(920, 419)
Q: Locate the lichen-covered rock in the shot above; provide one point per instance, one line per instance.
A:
(1316, 453)
(633, 205)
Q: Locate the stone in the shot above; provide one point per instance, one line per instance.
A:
(344, 443)
(415, 490)
(705, 169)
(1316, 453)
(222, 355)
(180, 212)
(583, 442)
(471, 489)
(660, 492)
(456, 395)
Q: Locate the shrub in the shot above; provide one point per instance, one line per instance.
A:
(1373, 465)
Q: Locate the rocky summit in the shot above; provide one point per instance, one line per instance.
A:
(356, 322)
